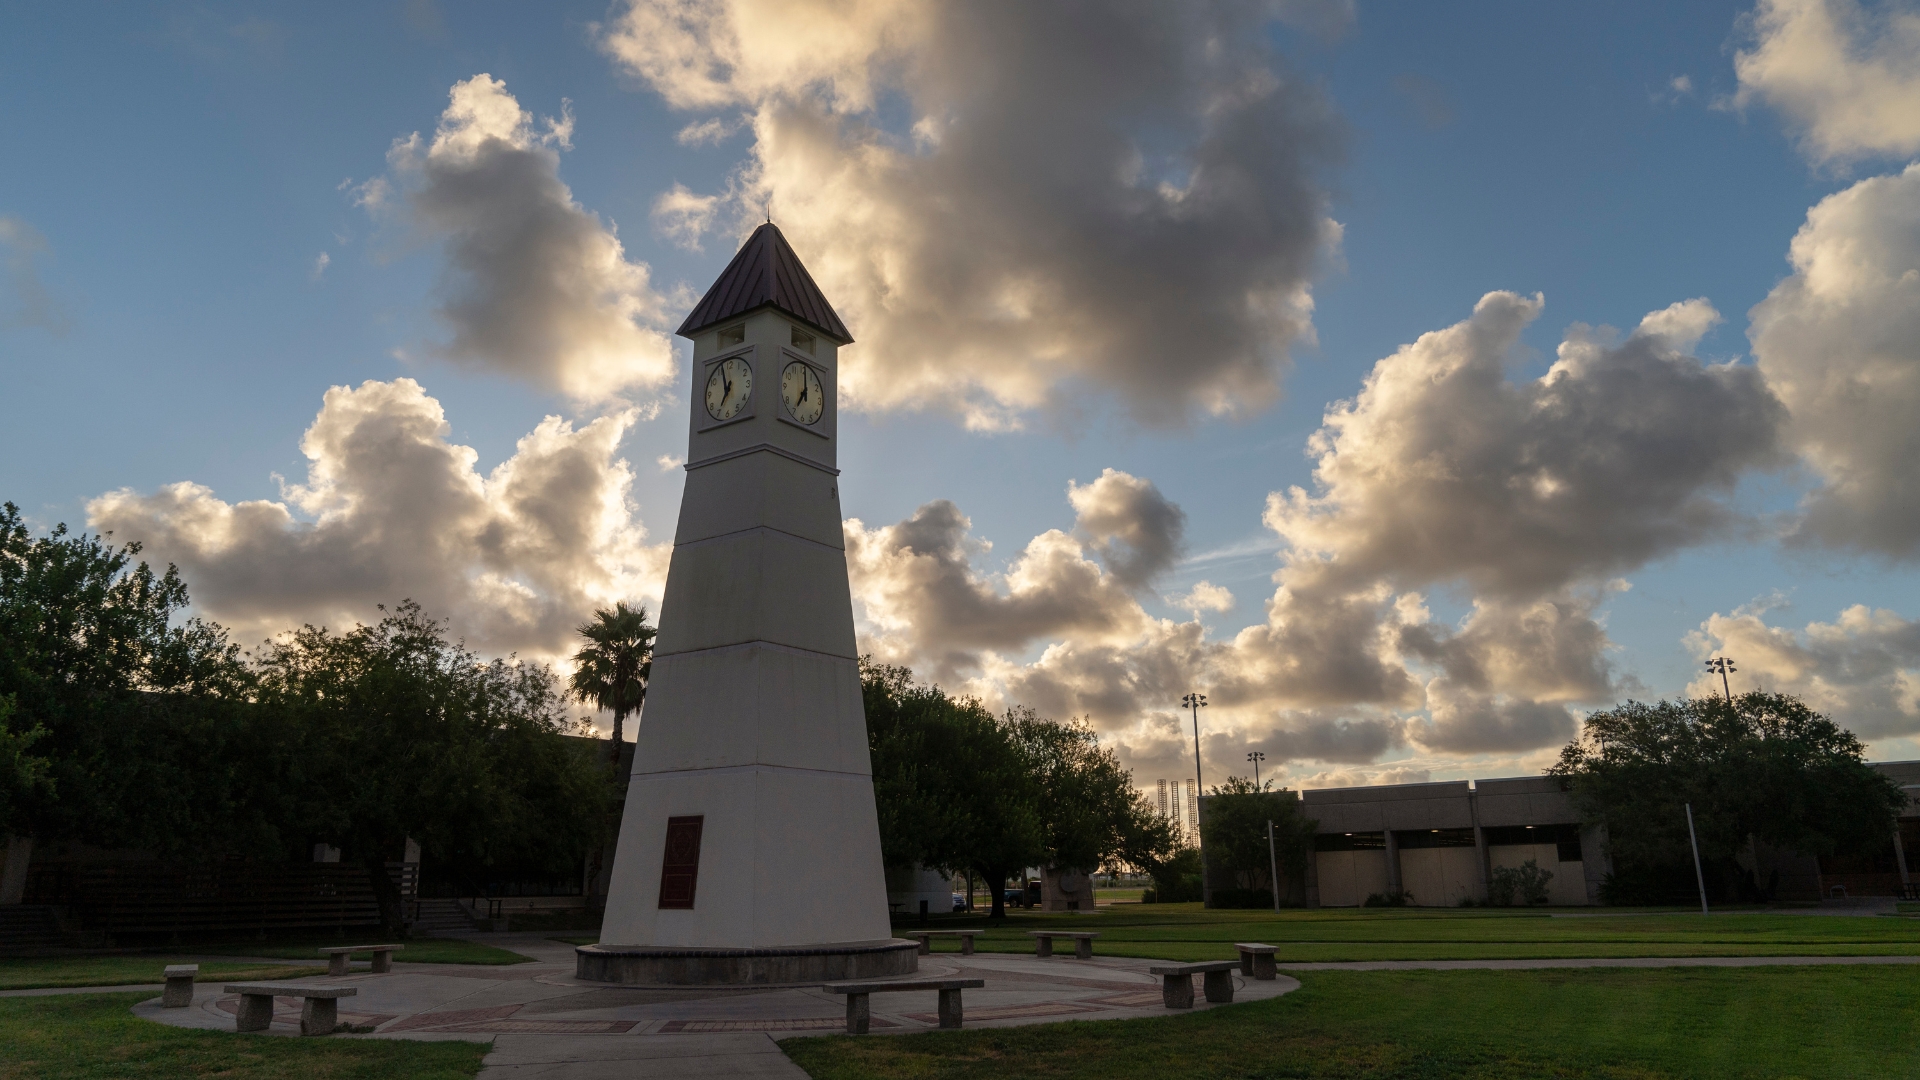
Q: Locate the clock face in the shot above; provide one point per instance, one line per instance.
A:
(729, 387)
(800, 391)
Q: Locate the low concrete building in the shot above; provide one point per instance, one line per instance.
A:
(1441, 842)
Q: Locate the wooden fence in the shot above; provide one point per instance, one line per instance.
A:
(164, 898)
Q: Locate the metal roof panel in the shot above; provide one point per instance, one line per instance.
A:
(765, 273)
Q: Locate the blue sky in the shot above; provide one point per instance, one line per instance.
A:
(178, 171)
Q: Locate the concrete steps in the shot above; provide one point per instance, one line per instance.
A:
(444, 918)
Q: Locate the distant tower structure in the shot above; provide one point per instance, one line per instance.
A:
(750, 851)
(1177, 802)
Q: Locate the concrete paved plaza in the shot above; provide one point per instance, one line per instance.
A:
(543, 1022)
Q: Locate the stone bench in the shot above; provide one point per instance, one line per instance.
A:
(1176, 982)
(319, 1011)
(382, 957)
(925, 938)
(859, 1013)
(1256, 960)
(179, 991)
(1082, 942)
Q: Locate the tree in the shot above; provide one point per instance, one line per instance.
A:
(23, 774)
(1091, 814)
(1176, 878)
(960, 789)
(1234, 828)
(611, 671)
(952, 787)
(403, 733)
(1765, 766)
(128, 697)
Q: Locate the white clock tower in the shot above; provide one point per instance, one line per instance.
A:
(750, 851)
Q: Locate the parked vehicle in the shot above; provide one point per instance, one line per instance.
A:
(959, 902)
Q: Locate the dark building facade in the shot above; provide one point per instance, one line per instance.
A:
(1440, 844)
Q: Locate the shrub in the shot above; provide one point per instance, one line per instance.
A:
(1242, 898)
(1396, 898)
(1177, 880)
(1523, 884)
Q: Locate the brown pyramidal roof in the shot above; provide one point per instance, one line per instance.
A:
(766, 273)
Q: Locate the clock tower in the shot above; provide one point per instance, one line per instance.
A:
(750, 851)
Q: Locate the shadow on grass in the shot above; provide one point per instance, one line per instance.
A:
(93, 1036)
(1710, 1023)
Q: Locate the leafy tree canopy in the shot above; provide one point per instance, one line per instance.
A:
(960, 789)
(407, 734)
(92, 645)
(1234, 830)
(1765, 766)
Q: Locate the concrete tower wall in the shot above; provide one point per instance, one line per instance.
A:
(753, 722)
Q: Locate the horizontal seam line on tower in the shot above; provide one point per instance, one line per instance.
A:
(755, 767)
(758, 448)
(755, 529)
(755, 642)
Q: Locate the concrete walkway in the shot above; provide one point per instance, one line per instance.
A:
(542, 1022)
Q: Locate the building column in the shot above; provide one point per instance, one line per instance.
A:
(1393, 862)
(1482, 863)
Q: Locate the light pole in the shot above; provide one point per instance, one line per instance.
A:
(1256, 757)
(1196, 702)
(1723, 665)
(1698, 877)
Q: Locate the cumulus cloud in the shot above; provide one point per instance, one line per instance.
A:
(1443, 468)
(1839, 342)
(1847, 78)
(1132, 526)
(1315, 736)
(1529, 495)
(917, 578)
(1204, 596)
(30, 303)
(390, 509)
(1337, 778)
(536, 286)
(1862, 668)
(682, 216)
(1120, 201)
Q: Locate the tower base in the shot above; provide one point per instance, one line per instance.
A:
(645, 965)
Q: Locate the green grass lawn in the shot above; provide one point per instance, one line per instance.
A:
(88, 1036)
(1189, 932)
(1840, 1022)
(418, 950)
(25, 973)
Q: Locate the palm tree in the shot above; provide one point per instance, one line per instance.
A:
(611, 670)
